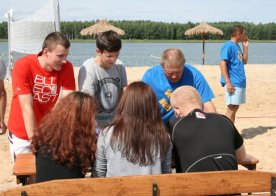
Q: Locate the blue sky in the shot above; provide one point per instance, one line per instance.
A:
(181, 11)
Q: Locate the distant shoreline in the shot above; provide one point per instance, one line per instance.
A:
(162, 41)
(148, 52)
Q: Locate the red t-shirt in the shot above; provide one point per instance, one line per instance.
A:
(28, 77)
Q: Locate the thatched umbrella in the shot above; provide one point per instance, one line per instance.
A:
(99, 27)
(203, 29)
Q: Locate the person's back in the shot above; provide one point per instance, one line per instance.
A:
(65, 142)
(137, 142)
(205, 142)
(116, 164)
(47, 169)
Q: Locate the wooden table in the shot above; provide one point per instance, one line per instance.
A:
(24, 168)
(251, 162)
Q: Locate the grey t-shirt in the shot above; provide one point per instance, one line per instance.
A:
(3, 69)
(105, 85)
(111, 162)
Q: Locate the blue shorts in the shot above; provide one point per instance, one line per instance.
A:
(236, 98)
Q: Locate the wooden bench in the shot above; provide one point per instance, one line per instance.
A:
(24, 167)
(250, 163)
(198, 183)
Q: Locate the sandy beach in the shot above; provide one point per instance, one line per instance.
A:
(256, 120)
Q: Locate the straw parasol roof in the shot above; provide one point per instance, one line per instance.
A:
(99, 27)
(203, 29)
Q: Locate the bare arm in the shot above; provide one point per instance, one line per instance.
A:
(26, 103)
(245, 45)
(240, 154)
(224, 72)
(209, 107)
(3, 104)
(245, 159)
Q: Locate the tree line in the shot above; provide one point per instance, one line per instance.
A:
(149, 30)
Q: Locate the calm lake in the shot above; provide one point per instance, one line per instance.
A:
(147, 54)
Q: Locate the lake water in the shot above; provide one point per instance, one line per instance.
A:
(146, 54)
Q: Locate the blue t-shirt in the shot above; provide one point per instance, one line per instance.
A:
(163, 88)
(232, 54)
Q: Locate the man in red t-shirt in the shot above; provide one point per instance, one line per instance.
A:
(36, 83)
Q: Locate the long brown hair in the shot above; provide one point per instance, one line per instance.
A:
(68, 133)
(139, 133)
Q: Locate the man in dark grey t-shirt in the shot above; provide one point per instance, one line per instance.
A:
(104, 76)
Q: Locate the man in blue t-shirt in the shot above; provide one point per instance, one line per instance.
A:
(232, 70)
(173, 73)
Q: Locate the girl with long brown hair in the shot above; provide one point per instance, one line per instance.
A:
(137, 142)
(65, 141)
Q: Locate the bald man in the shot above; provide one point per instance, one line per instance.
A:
(203, 141)
(171, 74)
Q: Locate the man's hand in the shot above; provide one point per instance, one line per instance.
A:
(230, 88)
(245, 42)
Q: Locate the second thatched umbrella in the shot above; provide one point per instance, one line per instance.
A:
(203, 29)
(99, 27)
